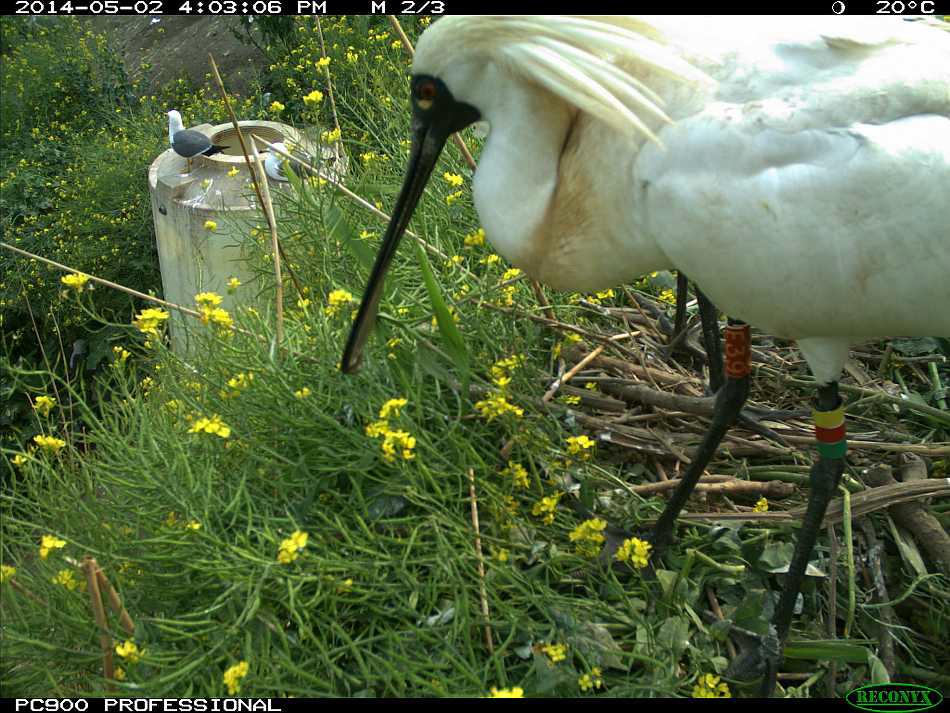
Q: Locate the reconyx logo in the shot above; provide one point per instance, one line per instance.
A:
(894, 698)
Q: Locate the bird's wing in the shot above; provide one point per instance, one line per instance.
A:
(190, 143)
(823, 191)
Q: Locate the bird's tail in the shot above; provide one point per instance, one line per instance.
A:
(215, 149)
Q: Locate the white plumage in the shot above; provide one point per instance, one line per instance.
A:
(797, 169)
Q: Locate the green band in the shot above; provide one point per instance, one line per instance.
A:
(833, 450)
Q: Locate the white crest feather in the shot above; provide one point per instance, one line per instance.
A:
(602, 65)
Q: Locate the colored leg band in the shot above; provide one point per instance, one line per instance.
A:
(830, 433)
(738, 351)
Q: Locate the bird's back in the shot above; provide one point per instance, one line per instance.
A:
(806, 193)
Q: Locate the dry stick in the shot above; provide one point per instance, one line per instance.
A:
(717, 610)
(722, 485)
(27, 593)
(481, 563)
(570, 374)
(456, 139)
(247, 160)
(89, 567)
(268, 207)
(362, 202)
(542, 300)
(121, 288)
(115, 602)
(887, 618)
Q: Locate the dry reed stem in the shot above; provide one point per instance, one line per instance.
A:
(268, 207)
(90, 567)
(483, 594)
(115, 602)
(247, 160)
(121, 288)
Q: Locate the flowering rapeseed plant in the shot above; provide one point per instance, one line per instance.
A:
(233, 676)
(709, 686)
(588, 537)
(49, 443)
(49, 543)
(43, 405)
(634, 552)
(213, 425)
(75, 280)
(129, 651)
(292, 546)
(506, 692)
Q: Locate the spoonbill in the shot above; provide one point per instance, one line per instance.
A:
(796, 169)
(189, 143)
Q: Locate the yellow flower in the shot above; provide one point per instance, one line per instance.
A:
(345, 587)
(234, 283)
(452, 197)
(496, 406)
(121, 354)
(43, 405)
(314, 97)
(216, 315)
(302, 393)
(453, 179)
(210, 225)
(580, 446)
(67, 578)
(50, 543)
(129, 651)
(147, 320)
(588, 537)
(119, 673)
(336, 300)
(233, 676)
(668, 296)
(233, 172)
(75, 280)
(634, 552)
(555, 652)
(208, 298)
(392, 407)
(213, 425)
(709, 686)
(590, 681)
(546, 508)
(49, 443)
(476, 238)
(502, 555)
(193, 525)
(517, 473)
(276, 107)
(330, 137)
(506, 692)
(19, 459)
(510, 274)
(352, 57)
(6, 572)
(393, 440)
(761, 505)
(323, 62)
(292, 546)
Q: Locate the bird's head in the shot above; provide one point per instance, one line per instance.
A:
(468, 68)
(174, 124)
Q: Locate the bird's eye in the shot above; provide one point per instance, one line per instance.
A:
(425, 95)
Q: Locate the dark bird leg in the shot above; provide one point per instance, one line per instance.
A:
(824, 479)
(729, 400)
(710, 320)
(682, 295)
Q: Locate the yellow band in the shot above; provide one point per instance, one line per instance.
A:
(829, 419)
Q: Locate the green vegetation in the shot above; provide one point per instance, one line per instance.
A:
(275, 528)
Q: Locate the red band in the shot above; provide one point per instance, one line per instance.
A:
(738, 351)
(830, 435)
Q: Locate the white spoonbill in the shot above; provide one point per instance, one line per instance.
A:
(797, 169)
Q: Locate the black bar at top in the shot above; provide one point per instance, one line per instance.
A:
(201, 8)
